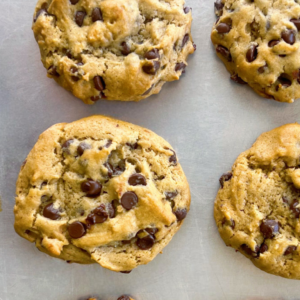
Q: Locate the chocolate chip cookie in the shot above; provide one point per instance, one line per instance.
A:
(101, 190)
(257, 208)
(123, 297)
(258, 41)
(117, 49)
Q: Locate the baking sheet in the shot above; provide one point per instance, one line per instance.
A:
(208, 120)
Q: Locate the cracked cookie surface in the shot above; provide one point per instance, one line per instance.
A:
(101, 190)
(257, 208)
(112, 49)
(258, 41)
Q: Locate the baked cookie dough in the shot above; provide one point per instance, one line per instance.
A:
(113, 49)
(101, 190)
(257, 208)
(258, 41)
(123, 297)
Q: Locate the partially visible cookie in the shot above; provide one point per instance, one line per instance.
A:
(257, 208)
(113, 49)
(123, 297)
(258, 41)
(101, 190)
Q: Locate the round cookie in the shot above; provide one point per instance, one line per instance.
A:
(113, 49)
(258, 41)
(257, 208)
(101, 190)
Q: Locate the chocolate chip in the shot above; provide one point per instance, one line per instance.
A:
(98, 215)
(187, 10)
(180, 66)
(115, 171)
(79, 17)
(50, 212)
(295, 209)
(97, 14)
(91, 187)
(289, 250)
(132, 146)
(180, 213)
(40, 12)
(82, 147)
(111, 207)
(65, 146)
(53, 72)
(77, 230)
(129, 200)
(273, 43)
(185, 39)
(152, 54)
(285, 82)
(224, 52)
(152, 231)
(125, 272)
(296, 22)
(124, 297)
(225, 177)
(223, 28)
(75, 78)
(173, 158)
(269, 228)
(171, 195)
(137, 179)
(74, 69)
(248, 250)
(195, 47)
(108, 144)
(151, 67)
(146, 242)
(262, 69)
(73, 2)
(147, 92)
(218, 6)
(99, 83)
(263, 248)
(95, 98)
(289, 36)
(237, 79)
(125, 48)
(251, 53)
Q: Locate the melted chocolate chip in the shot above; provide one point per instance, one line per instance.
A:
(111, 207)
(73, 2)
(171, 195)
(77, 230)
(108, 144)
(151, 68)
(97, 14)
(185, 39)
(269, 228)
(146, 242)
(52, 71)
(180, 66)
(180, 213)
(125, 272)
(248, 250)
(79, 17)
(98, 215)
(295, 209)
(218, 6)
(99, 83)
(152, 231)
(152, 54)
(223, 28)
(289, 36)
(40, 12)
(263, 248)
(124, 297)
(262, 69)
(285, 82)
(251, 53)
(91, 187)
(50, 212)
(237, 79)
(224, 52)
(225, 177)
(173, 158)
(115, 170)
(290, 250)
(132, 146)
(137, 179)
(129, 200)
(82, 147)
(296, 22)
(125, 48)
(273, 43)
(187, 10)
(95, 98)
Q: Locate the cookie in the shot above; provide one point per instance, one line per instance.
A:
(113, 49)
(123, 297)
(101, 190)
(258, 41)
(257, 208)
